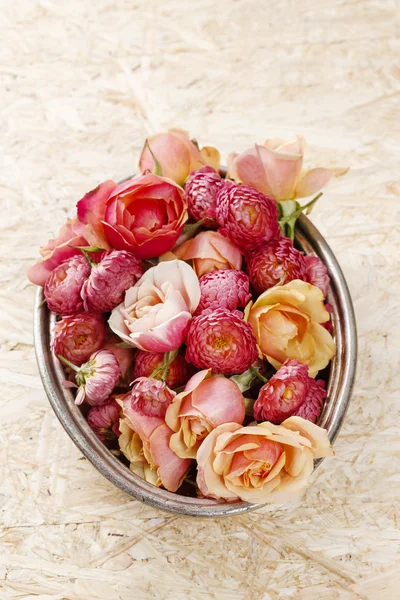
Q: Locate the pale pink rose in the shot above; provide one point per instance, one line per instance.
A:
(260, 464)
(57, 251)
(205, 403)
(144, 440)
(275, 169)
(208, 251)
(177, 155)
(157, 309)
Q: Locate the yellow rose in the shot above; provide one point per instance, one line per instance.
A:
(286, 321)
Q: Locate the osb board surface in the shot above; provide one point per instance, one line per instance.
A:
(82, 84)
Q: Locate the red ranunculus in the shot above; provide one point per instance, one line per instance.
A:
(144, 215)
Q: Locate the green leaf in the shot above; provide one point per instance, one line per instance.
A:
(157, 165)
(245, 380)
(89, 248)
(192, 227)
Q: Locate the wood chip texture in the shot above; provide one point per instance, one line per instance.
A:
(82, 84)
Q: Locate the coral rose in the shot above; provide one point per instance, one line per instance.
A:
(286, 321)
(260, 464)
(57, 251)
(156, 311)
(208, 251)
(177, 154)
(144, 215)
(144, 440)
(205, 403)
(276, 170)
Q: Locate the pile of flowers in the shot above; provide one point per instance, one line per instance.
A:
(191, 328)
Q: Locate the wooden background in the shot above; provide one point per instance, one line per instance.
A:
(82, 84)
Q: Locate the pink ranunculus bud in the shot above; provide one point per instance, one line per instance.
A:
(151, 396)
(62, 289)
(317, 273)
(208, 251)
(205, 403)
(275, 168)
(104, 420)
(291, 391)
(177, 155)
(155, 313)
(220, 340)
(96, 378)
(225, 288)
(58, 250)
(246, 216)
(201, 191)
(77, 337)
(105, 288)
(275, 262)
(178, 372)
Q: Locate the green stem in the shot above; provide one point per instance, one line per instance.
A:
(69, 364)
(294, 215)
(257, 373)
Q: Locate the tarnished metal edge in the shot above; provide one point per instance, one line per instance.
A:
(341, 381)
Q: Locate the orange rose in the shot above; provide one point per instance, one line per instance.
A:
(262, 463)
(286, 321)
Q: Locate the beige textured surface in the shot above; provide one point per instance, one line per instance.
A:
(82, 83)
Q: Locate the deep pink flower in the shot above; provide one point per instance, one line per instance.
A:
(220, 340)
(62, 289)
(151, 397)
(104, 419)
(291, 391)
(123, 355)
(225, 288)
(201, 191)
(144, 215)
(77, 337)
(57, 251)
(275, 262)
(247, 216)
(328, 325)
(96, 378)
(317, 273)
(105, 288)
(178, 371)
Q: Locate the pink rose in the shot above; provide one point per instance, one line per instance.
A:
(156, 311)
(177, 155)
(57, 251)
(205, 403)
(144, 440)
(276, 170)
(208, 251)
(144, 215)
(263, 463)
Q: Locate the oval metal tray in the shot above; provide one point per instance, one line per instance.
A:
(340, 384)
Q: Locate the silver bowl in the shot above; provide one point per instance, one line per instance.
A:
(340, 383)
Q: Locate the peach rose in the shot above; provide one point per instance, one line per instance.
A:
(205, 403)
(144, 440)
(208, 251)
(276, 169)
(156, 311)
(261, 463)
(286, 322)
(177, 155)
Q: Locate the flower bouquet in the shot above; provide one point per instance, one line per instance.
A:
(189, 325)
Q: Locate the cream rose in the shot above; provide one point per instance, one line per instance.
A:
(156, 311)
(286, 321)
(262, 463)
